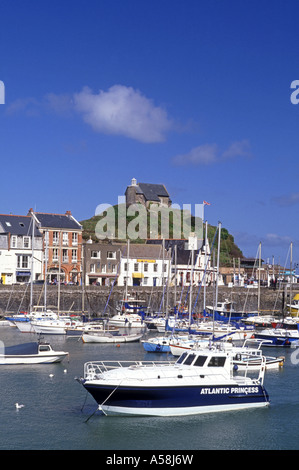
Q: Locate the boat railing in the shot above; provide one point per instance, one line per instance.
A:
(261, 370)
(94, 368)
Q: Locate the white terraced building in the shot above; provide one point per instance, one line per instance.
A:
(16, 250)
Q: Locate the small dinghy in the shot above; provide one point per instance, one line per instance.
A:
(106, 337)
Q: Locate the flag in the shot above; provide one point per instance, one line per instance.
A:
(206, 203)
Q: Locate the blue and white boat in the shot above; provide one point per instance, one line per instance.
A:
(23, 321)
(279, 337)
(198, 382)
(36, 352)
(158, 344)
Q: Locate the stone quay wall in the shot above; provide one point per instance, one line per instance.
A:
(94, 301)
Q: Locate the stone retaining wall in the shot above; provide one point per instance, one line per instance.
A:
(14, 298)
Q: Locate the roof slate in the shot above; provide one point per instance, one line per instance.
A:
(144, 251)
(59, 221)
(17, 225)
(152, 192)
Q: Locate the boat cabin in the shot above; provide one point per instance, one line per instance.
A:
(205, 359)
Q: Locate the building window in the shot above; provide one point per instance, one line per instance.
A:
(23, 261)
(136, 267)
(145, 267)
(74, 238)
(65, 238)
(74, 256)
(92, 268)
(95, 254)
(55, 238)
(145, 281)
(14, 241)
(55, 254)
(26, 242)
(125, 266)
(111, 254)
(65, 257)
(155, 267)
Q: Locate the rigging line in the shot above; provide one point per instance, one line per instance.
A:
(9, 298)
(84, 401)
(100, 406)
(183, 283)
(114, 281)
(152, 289)
(166, 285)
(247, 292)
(280, 281)
(206, 267)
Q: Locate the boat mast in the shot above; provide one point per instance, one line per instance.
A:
(127, 274)
(205, 279)
(291, 277)
(192, 246)
(46, 269)
(32, 260)
(217, 275)
(218, 261)
(259, 280)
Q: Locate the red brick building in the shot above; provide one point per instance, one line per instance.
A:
(62, 242)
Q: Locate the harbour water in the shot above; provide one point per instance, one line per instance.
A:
(56, 409)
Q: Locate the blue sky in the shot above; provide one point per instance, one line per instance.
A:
(192, 94)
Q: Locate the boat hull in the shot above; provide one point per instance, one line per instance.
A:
(109, 338)
(279, 340)
(31, 359)
(175, 401)
(50, 330)
(156, 347)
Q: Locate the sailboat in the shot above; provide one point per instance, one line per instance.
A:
(281, 333)
(24, 321)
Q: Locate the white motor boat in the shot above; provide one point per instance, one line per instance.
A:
(24, 321)
(30, 353)
(54, 327)
(198, 382)
(127, 320)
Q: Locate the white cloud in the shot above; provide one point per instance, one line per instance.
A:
(120, 111)
(237, 149)
(209, 153)
(286, 200)
(203, 154)
(123, 111)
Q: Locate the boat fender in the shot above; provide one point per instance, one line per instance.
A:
(252, 336)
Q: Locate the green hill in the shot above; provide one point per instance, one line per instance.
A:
(107, 224)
